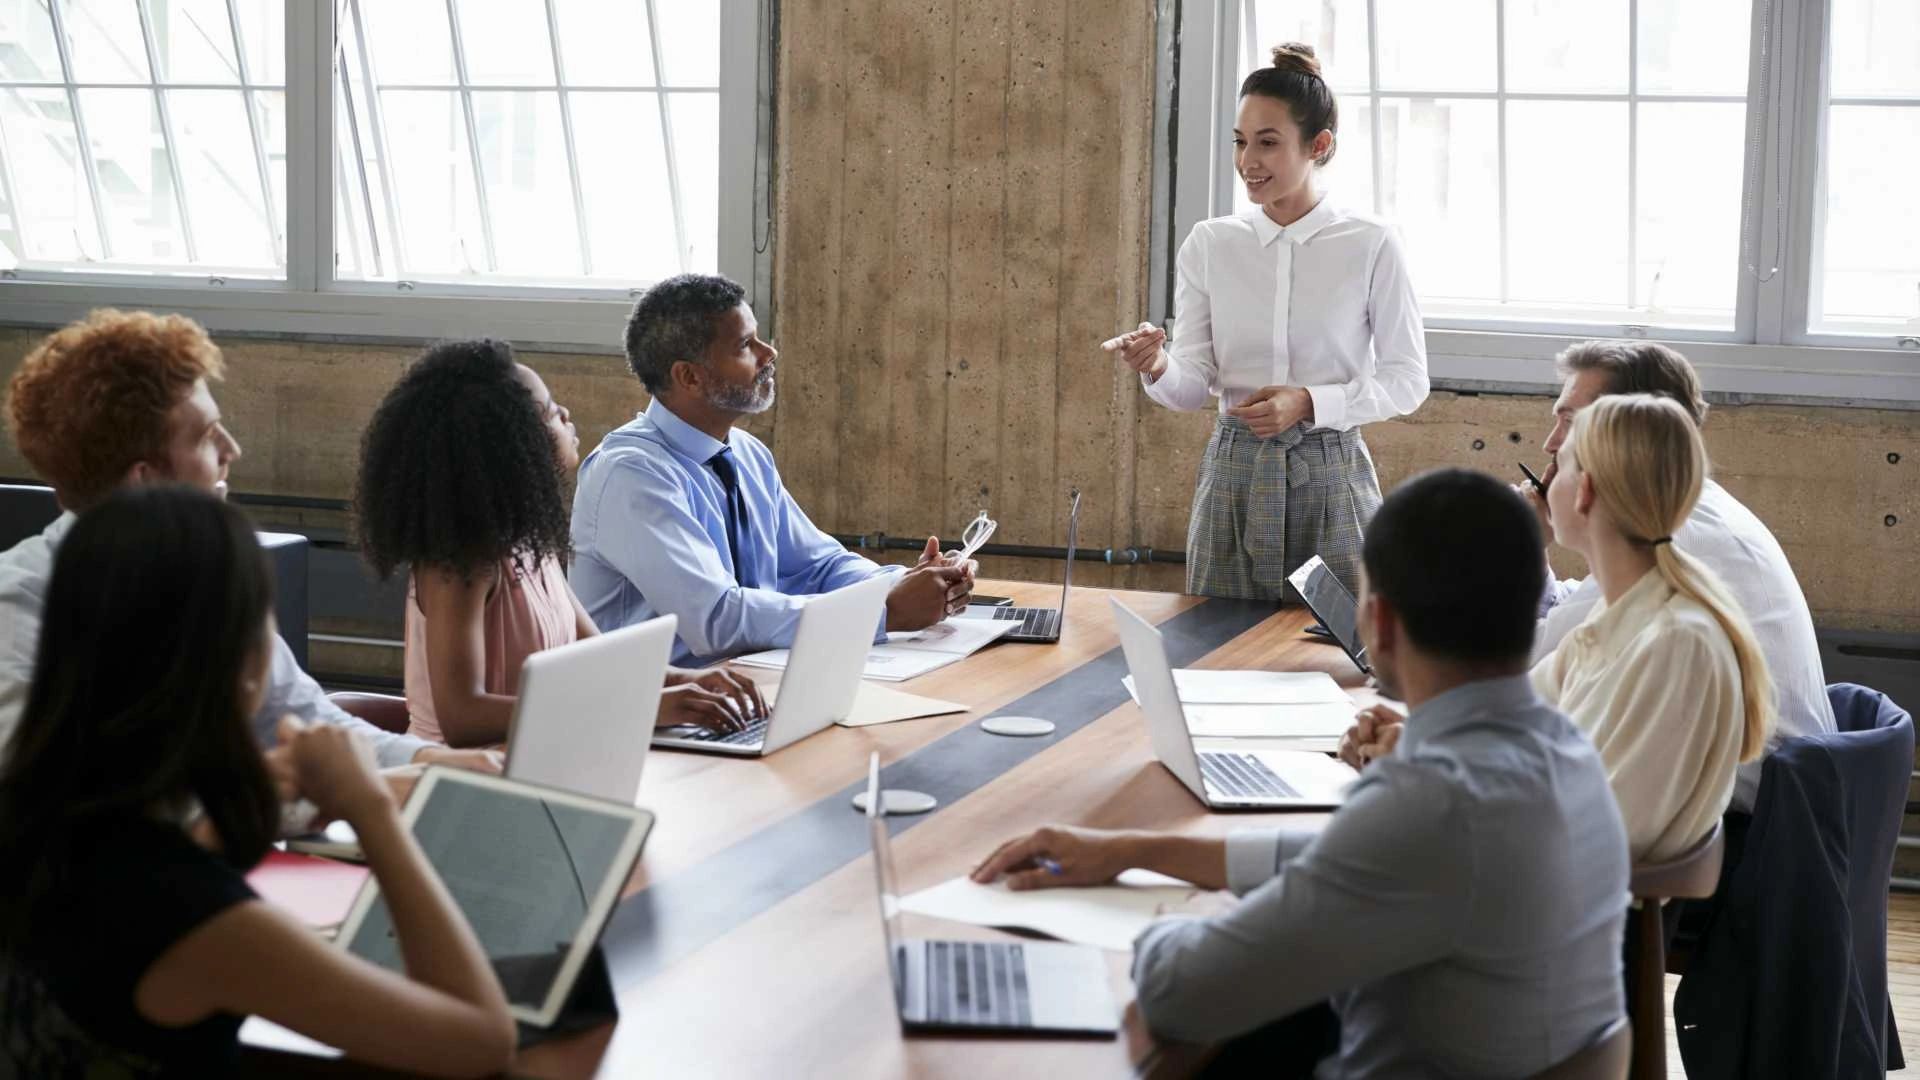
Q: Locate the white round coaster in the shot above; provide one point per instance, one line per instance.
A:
(1017, 726)
(898, 801)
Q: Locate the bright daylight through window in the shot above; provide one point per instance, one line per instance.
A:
(1581, 161)
(522, 139)
(143, 137)
(522, 142)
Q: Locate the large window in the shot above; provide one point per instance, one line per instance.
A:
(378, 167)
(1719, 171)
(533, 139)
(148, 137)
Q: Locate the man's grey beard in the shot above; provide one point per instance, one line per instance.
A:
(754, 398)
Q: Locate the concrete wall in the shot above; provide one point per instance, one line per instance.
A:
(962, 217)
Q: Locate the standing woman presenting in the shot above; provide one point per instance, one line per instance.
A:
(1300, 316)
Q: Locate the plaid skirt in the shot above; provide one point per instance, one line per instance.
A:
(1264, 506)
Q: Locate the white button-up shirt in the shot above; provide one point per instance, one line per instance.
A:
(1654, 682)
(1722, 533)
(1324, 303)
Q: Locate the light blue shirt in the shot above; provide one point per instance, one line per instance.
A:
(1462, 912)
(650, 538)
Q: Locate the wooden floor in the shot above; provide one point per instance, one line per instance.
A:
(1903, 975)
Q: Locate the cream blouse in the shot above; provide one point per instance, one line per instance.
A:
(1654, 682)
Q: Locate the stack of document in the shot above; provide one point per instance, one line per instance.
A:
(907, 655)
(1306, 708)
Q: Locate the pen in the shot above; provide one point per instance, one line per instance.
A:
(1049, 865)
(1534, 480)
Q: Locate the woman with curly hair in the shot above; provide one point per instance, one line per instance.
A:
(462, 477)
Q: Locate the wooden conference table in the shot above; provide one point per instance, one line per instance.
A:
(749, 943)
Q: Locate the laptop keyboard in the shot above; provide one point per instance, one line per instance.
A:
(977, 983)
(1243, 776)
(1034, 621)
(752, 735)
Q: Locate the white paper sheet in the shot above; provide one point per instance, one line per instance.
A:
(1107, 916)
(906, 655)
(1320, 720)
(877, 704)
(1197, 687)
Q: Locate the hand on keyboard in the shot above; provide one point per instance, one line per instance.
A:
(736, 687)
(695, 705)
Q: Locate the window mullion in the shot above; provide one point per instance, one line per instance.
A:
(1802, 175)
(566, 132)
(308, 64)
(166, 131)
(473, 135)
(248, 98)
(1375, 160)
(1500, 86)
(102, 231)
(666, 136)
(1633, 157)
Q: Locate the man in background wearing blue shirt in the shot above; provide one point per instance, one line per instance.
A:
(680, 511)
(1461, 914)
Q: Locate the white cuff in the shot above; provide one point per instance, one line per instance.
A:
(1329, 405)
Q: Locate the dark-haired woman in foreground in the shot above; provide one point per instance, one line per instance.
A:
(134, 799)
(462, 480)
(1299, 315)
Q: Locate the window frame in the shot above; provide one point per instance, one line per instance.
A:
(1770, 354)
(311, 303)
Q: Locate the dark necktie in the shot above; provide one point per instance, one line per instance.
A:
(722, 465)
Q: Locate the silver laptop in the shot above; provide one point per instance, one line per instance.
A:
(821, 679)
(1334, 606)
(535, 871)
(1032, 987)
(1223, 780)
(584, 716)
(1040, 625)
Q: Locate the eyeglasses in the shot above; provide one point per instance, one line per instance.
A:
(975, 536)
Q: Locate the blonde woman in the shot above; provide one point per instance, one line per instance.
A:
(1665, 676)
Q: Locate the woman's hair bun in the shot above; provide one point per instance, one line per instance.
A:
(1295, 57)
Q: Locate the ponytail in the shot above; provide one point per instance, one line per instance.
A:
(1696, 581)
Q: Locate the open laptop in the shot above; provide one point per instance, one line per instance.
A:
(1021, 987)
(1223, 780)
(536, 871)
(1039, 625)
(1333, 605)
(821, 679)
(584, 716)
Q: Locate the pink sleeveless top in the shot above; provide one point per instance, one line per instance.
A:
(527, 613)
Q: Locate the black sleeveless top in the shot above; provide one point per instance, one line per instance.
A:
(66, 988)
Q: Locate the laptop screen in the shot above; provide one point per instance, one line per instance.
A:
(1073, 542)
(535, 871)
(1333, 605)
(884, 881)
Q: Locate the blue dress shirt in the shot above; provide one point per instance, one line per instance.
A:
(650, 537)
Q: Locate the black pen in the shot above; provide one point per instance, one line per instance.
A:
(1534, 480)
